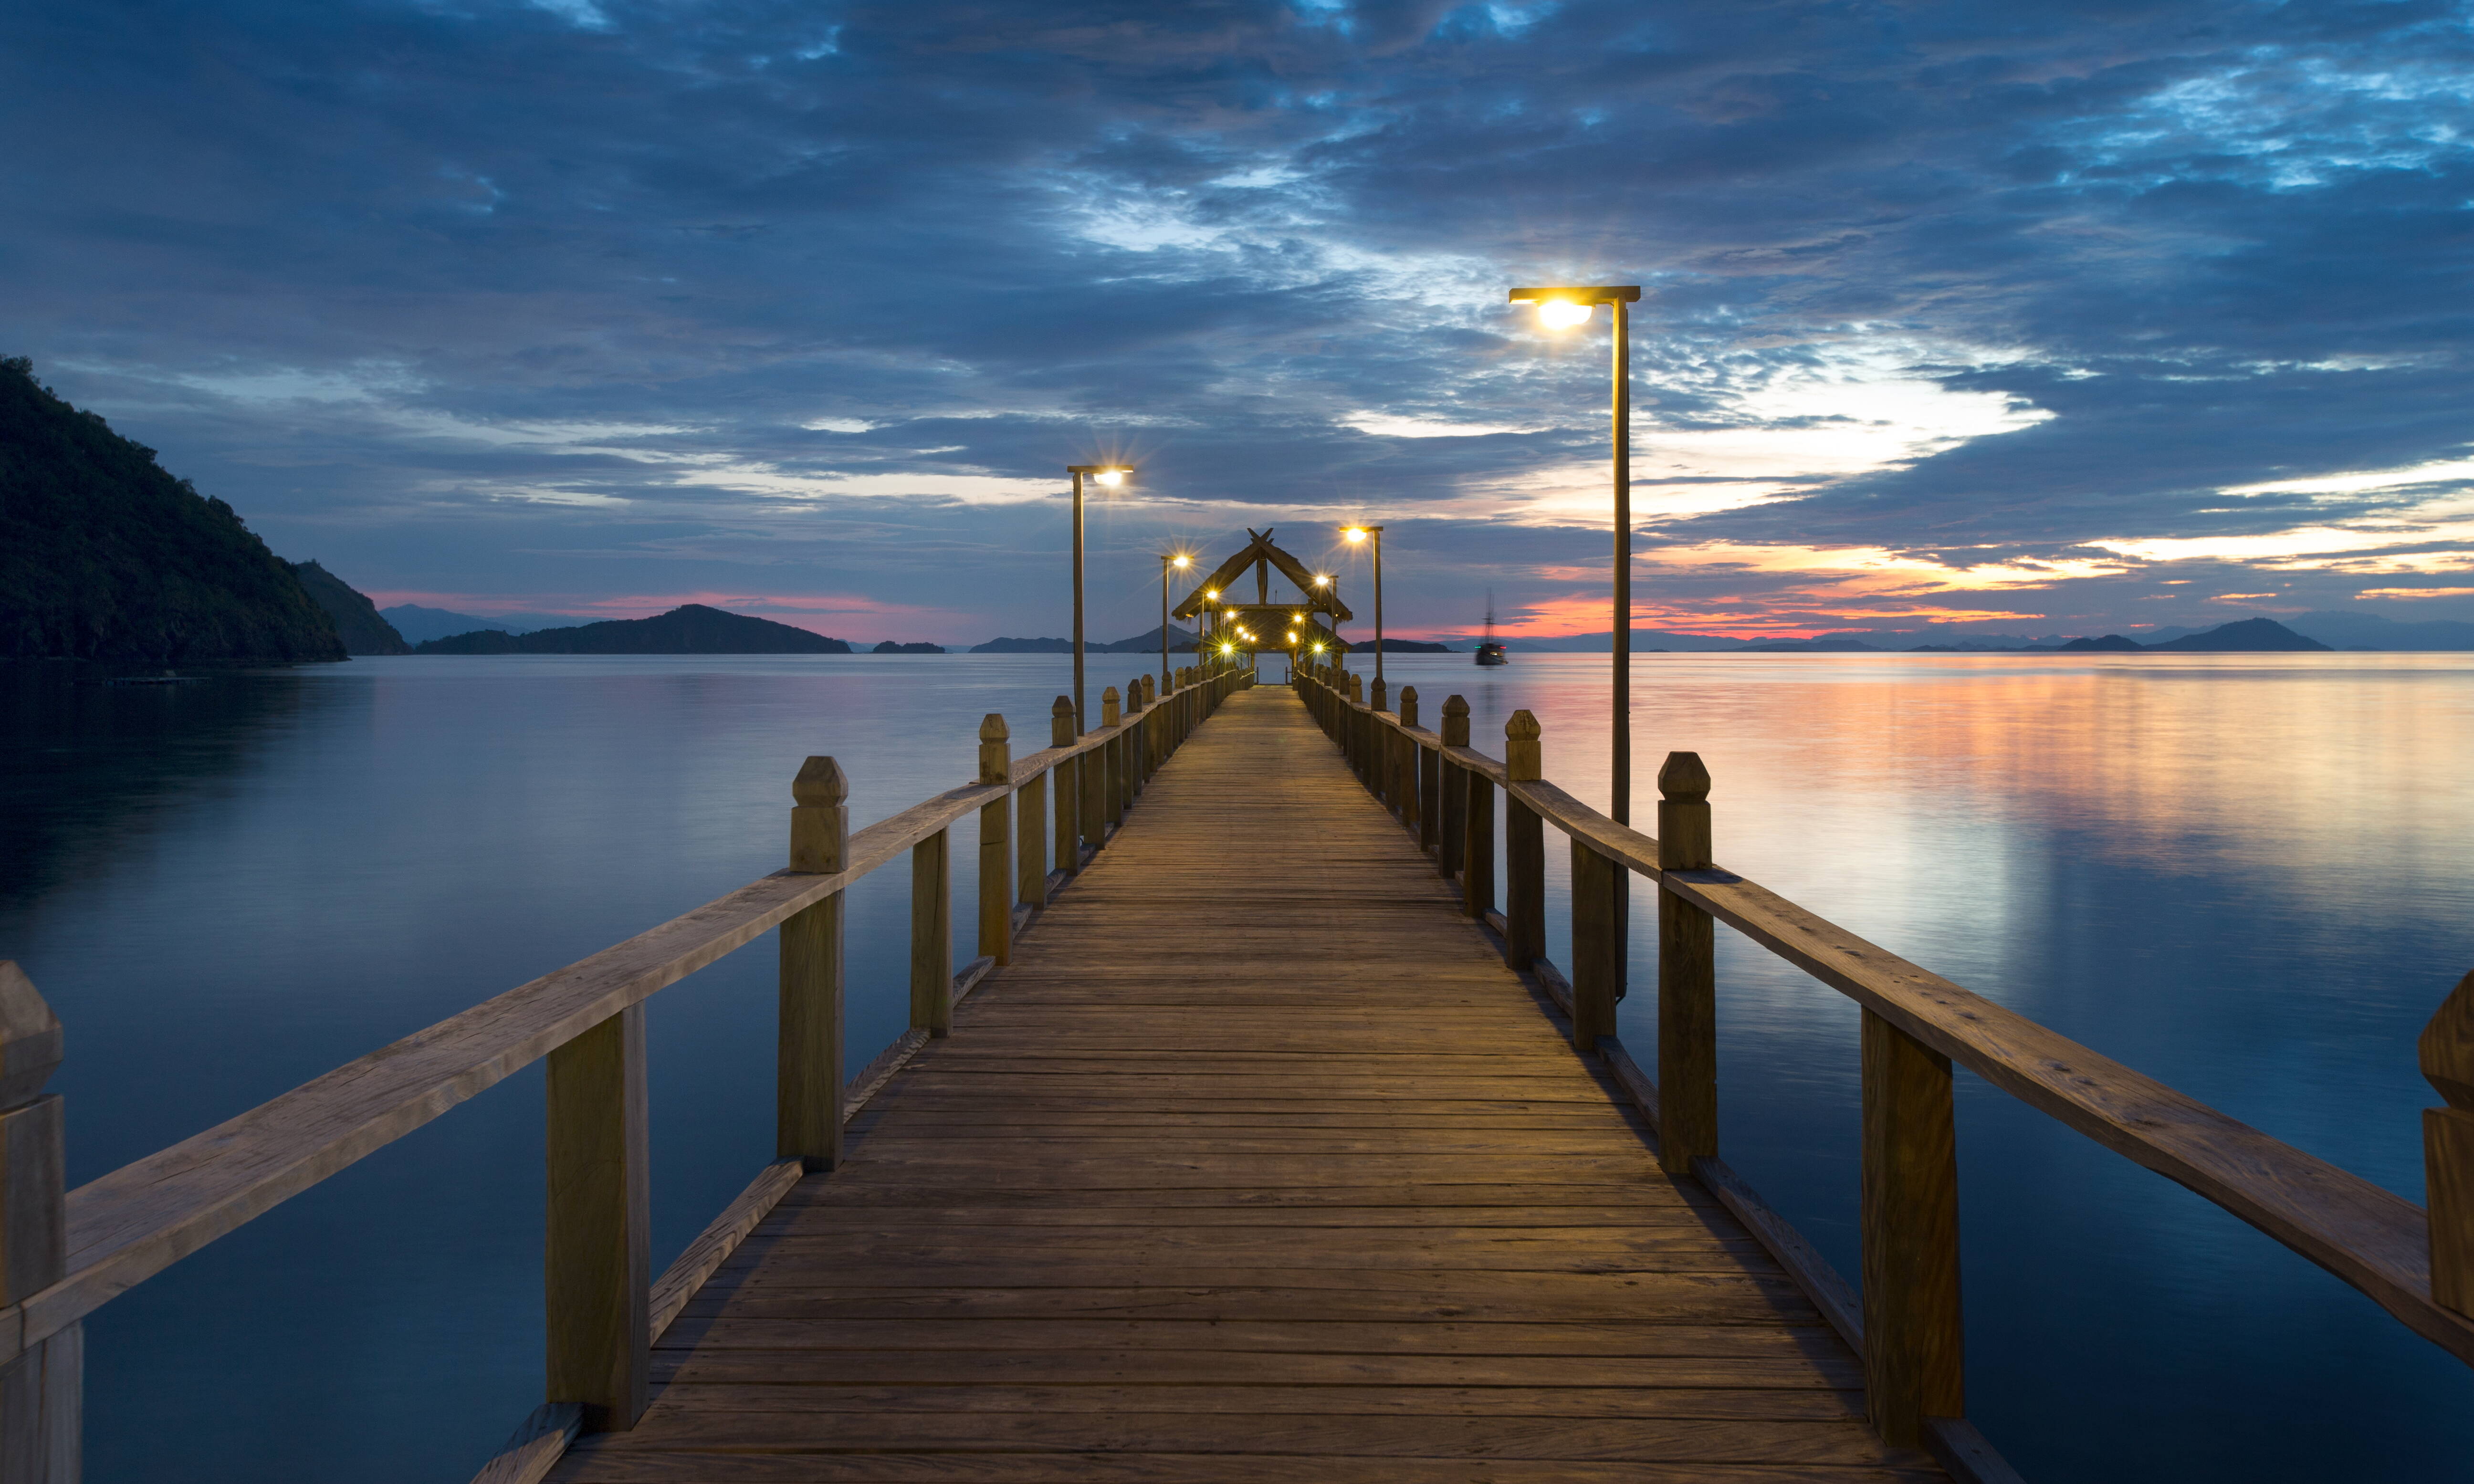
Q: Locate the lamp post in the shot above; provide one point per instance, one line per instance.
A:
(1374, 534)
(1564, 309)
(1180, 561)
(1110, 475)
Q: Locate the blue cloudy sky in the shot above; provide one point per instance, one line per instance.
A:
(2063, 316)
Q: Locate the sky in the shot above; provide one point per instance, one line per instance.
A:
(2053, 318)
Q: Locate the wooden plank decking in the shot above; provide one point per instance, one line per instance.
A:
(1257, 1165)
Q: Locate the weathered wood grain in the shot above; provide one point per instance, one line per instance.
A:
(1252, 1197)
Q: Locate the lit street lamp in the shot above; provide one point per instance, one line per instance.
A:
(1110, 475)
(1565, 308)
(1374, 533)
(1180, 561)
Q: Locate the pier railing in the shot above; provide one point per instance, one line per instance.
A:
(63, 1256)
(2418, 1266)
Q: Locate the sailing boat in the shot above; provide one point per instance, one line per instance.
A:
(1490, 652)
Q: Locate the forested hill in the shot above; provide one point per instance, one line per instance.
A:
(691, 628)
(357, 621)
(104, 556)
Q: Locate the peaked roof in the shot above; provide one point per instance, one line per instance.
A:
(1259, 547)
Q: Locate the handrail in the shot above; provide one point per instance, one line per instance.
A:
(134, 1222)
(2372, 1238)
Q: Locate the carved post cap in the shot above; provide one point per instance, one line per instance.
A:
(1455, 706)
(1684, 779)
(1408, 705)
(1110, 707)
(30, 1038)
(1522, 726)
(992, 728)
(1061, 722)
(1456, 723)
(820, 784)
(1063, 707)
(2446, 1045)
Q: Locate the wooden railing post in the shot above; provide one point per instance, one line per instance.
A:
(807, 1073)
(932, 935)
(1477, 844)
(1597, 944)
(1913, 1353)
(1030, 840)
(1412, 803)
(42, 1391)
(2446, 1050)
(1378, 743)
(1687, 973)
(1453, 796)
(996, 848)
(1090, 803)
(1135, 772)
(1524, 846)
(597, 1271)
(1070, 804)
(1112, 767)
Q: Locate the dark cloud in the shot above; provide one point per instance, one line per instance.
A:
(593, 299)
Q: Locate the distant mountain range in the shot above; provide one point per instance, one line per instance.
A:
(416, 623)
(692, 628)
(103, 555)
(1181, 641)
(2319, 630)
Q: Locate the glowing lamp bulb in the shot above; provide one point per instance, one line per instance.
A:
(1112, 476)
(1354, 534)
(1561, 313)
(1317, 649)
(1229, 648)
(1212, 593)
(1183, 563)
(1323, 579)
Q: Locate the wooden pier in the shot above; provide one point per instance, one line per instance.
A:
(1255, 1144)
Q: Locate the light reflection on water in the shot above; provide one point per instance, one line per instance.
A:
(2246, 875)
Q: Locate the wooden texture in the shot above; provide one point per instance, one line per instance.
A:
(1477, 844)
(2446, 1052)
(1913, 1342)
(808, 1053)
(597, 1236)
(2448, 1182)
(41, 1391)
(932, 935)
(1030, 843)
(1525, 848)
(1687, 972)
(1066, 784)
(1251, 1210)
(720, 1237)
(528, 1456)
(1597, 944)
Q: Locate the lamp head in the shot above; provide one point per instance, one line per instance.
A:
(1563, 313)
(1355, 534)
(1181, 562)
(1323, 579)
(1210, 595)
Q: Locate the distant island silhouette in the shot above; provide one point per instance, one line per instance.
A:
(691, 628)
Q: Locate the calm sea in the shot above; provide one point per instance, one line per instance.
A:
(2250, 876)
